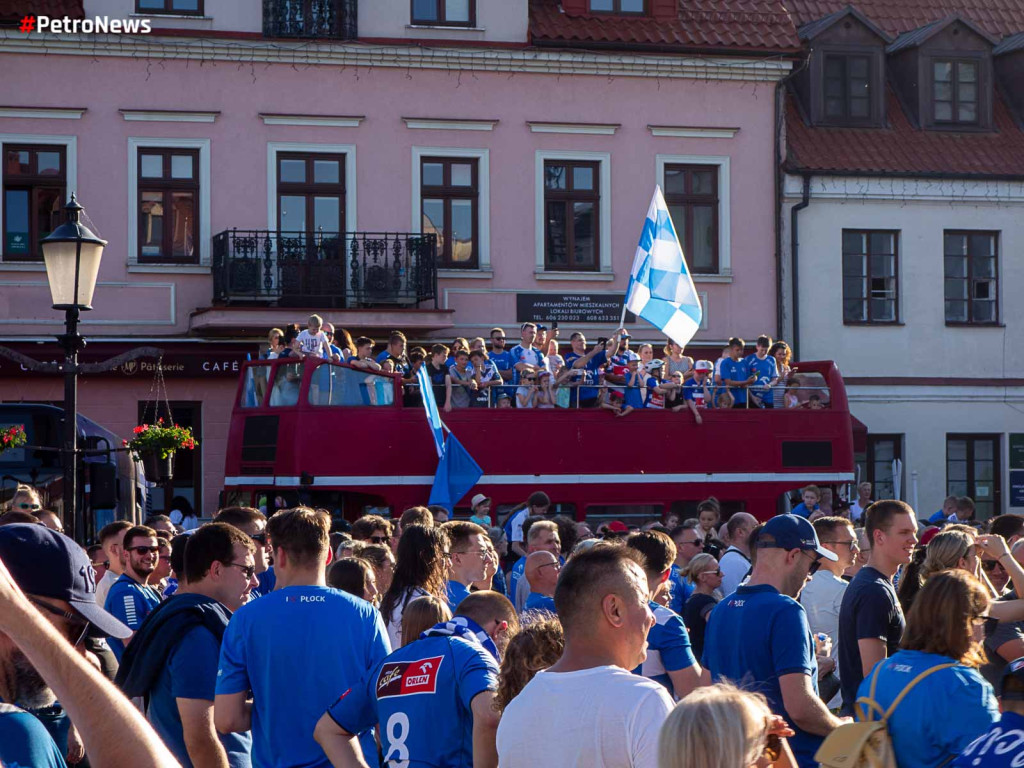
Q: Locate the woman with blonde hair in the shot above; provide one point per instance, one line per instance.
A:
(720, 726)
(949, 704)
(537, 645)
(705, 575)
(676, 361)
(421, 614)
(26, 499)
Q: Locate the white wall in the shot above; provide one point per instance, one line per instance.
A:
(496, 21)
(922, 345)
(221, 15)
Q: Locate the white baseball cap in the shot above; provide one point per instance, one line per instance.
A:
(703, 365)
(478, 500)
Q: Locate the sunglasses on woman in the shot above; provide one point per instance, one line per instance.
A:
(26, 507)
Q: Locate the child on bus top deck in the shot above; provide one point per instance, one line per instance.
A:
(792, 397)
(363, 358)
(313, 340)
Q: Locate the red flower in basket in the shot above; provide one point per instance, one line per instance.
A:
(12, 437)
(161, 440)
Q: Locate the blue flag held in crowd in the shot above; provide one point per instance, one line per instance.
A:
(661, 290)
(457, 472)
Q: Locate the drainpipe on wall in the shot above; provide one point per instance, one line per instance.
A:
(794, 234)
(779, 179)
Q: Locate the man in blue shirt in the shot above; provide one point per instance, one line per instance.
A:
(759, 639)
(47, 610)
(542, 569)
(469, 559)
(173, 659)
(592, 364)
(253, 524)
(524, 356)
(736, 375)
(433, 698)
(130, 599)
(541, 536)
(502, 359)
(294, 649)
(670, 660)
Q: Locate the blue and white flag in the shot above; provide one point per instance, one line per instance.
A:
(430, 404)
(661, 290)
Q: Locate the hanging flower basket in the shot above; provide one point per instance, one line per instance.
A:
(155, 445)
(12, 437)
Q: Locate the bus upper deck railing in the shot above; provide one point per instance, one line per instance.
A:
(337, 385)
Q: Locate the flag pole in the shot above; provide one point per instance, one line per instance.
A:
(622, 320)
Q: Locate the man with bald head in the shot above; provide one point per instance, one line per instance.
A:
(735, 561)
(542, 569)
(588, 709)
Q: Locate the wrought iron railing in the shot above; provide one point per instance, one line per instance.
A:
(310, 18)
(331, 270)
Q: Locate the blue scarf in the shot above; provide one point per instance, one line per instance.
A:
(467, 629)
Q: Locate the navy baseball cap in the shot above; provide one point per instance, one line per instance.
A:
(793, 532)
(49, 564)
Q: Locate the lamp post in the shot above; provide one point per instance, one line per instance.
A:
(72, 254)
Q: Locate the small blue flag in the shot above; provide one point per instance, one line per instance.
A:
(456, 474)
(430, 405)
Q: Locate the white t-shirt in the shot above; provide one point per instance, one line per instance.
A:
(857, 511)
(734, 566)
(310, 344)
(394, 623)
(822, 598)
(104, 586)
(605, 717)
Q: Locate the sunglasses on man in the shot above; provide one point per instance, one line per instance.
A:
(74, 621)
(142, 550)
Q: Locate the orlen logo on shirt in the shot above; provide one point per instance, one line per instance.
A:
(405, 678)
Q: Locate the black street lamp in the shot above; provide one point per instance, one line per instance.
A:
(72, 254)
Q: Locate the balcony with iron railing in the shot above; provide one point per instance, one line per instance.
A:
(329, 270)
(310, 18)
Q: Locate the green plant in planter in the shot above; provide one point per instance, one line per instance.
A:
(160, 439)
(12, 437)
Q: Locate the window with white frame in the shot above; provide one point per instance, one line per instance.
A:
(451, 198)
(573, 214)
(38, 174)
(169, 203)
(696, 189)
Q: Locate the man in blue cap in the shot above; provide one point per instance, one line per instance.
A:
(47, 610)
(759, 637)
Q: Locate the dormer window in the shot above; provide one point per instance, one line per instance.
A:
(634, 7)
(955, 91)
(447, 13)
(847, 88)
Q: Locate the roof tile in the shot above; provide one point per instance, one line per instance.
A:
(750, 25)
(900, 148)
(997, 17)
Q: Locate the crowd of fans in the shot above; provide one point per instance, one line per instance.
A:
(818, 636)
(534, 374)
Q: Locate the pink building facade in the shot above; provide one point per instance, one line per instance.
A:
(530, 152)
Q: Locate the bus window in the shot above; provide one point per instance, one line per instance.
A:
(808, 390)
(340, 386)
(286, 385)
(255, 386)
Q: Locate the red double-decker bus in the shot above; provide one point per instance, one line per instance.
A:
(338, 437)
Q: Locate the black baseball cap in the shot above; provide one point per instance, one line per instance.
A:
(1014, 669)
(49, 564)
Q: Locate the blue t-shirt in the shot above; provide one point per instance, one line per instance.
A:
(681, 589)
(938, 517)
(513, 526)
(455, 593)
(1002, 746)
(538, 602)
(191, 673)
(668, 647)
(267, 581)
(25, 742)
(766, 370)
(268, 648)
(591, 374)
(801, 510)
(755, 636)
(700, 392)
(130, 602)
(736, 370)
(421, 695)
(519, 354)
(943, 713)
(502, 360)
